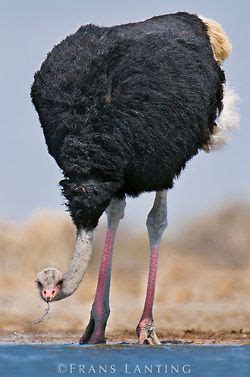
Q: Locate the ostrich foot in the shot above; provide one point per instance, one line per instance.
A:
(146, 332)
(94, 332)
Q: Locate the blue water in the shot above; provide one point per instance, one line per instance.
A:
(41, 360)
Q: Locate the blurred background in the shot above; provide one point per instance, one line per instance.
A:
(204, 267)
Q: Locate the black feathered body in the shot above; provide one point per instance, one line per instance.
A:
(124, 108)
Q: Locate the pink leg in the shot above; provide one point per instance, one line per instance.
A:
(156, 224)
(95, 331)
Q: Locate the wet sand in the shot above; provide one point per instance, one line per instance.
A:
(173, 337)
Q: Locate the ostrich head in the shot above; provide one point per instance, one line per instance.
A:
(49, 282)
(53, 285)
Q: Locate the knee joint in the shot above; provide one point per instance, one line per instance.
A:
(115, 211)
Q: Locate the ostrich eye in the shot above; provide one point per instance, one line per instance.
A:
(39, 284)
(53, 292)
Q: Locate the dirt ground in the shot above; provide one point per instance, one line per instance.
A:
(200, 297)
(174, 337)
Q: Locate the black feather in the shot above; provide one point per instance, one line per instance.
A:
(124, 108)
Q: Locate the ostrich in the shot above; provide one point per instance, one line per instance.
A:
(123, 108)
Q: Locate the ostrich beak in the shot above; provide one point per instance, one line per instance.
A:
(49, 294)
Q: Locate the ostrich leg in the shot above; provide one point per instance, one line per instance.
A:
(95, 330)
(156, 224)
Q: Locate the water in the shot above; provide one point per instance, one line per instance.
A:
(42, 360)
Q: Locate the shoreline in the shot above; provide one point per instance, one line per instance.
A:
(187, 337)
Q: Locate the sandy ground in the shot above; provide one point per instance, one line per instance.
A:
(177, 337)
(197, 300)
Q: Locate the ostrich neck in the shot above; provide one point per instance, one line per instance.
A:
(78, 265)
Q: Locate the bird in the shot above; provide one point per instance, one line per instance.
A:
(123, 109)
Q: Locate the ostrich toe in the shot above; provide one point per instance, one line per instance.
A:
(146, 333)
